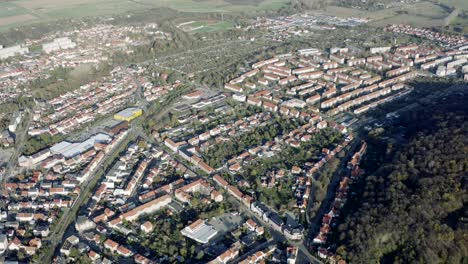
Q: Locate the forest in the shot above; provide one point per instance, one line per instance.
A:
(412, 209)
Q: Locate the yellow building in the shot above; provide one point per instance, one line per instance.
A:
(128, 114)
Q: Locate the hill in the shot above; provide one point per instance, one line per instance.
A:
(413, 209)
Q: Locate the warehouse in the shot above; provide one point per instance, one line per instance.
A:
(69, 150)
(128, 114)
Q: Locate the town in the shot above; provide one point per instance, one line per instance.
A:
(145, 165)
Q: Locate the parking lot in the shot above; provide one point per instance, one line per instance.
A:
(226, 222)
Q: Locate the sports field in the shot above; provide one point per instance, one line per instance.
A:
(20, 12)
(205, 26)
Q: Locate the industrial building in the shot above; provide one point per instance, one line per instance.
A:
(58, 44)
(69, 150)
(12, 51)
(128, 114)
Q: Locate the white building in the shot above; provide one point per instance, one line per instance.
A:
(58, 44)
(3, 244)
(199, 231)
(83, 224)
(12, 51)
(294, 103)
(308, 52)
(379, 49)
(15, 122)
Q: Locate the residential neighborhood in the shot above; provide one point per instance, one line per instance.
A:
(120, 143)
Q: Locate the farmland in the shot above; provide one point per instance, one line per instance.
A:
(420, 14)
(460, 4)
(21, 12)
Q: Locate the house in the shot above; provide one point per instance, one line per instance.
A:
(220, 181)
(235, 192)
(250, 85)
(216, 196)
(251, 225)
(275, 220)
(293, 232)
(270, 106)
(260, 209)
(254, 227)
(123, 251)
(227, 256)
(254, 101)
(235, 167)
(147, 227)
(66, 248)
(139, 259)
(313, 99)
(15, 244)
(271, 77)
(322, 124)
(183, 196)
(239, 97)
(93, 255)
(263, 81)
(111, 245)
(173, 145)
(310, 75)
(247, 200)
(284, 110)
(233, 88)
(83, 223)
(296, 170)
(237, 80)
(146, 208)
(193, 95)
(205, 167)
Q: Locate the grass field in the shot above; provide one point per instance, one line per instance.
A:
(11, 13)
(423, 14)
(9, 9)
(20, 12)
(207, 26)
(217, 5)
(461, 4)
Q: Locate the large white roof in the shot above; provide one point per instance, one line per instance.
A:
(69, 150)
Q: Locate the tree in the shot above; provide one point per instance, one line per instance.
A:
(414, 198)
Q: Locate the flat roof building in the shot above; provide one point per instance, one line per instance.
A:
(199, 231)
(69, 150)
(128, 114)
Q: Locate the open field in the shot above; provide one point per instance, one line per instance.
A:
(9, 9)
(419, 14)
(217, 5)
(21, 12)
(206, 26)
(461, 4)
(5, 21)
(11, 14)
(225, 25)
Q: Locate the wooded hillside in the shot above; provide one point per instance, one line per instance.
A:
(413, 208)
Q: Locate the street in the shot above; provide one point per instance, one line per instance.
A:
(19, 147)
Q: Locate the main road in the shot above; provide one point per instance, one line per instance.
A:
(20, 138)
(70, 214)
